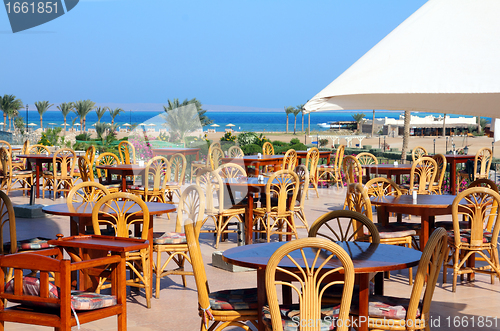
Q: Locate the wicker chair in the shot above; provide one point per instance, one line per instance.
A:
(268, 149)
(416, 312)
(352, 170)
(196, 165)
(366, 159)
(441, 170)
(418, 152)
(422, 176)
(235, 152)
(480, 208)
(38, 149)
(312, 159)
(122, 220)
(290, 160)
(191, 206)
(284, 185)
(333, 169)
(220, 306)
(223, 211)
(127, 152)
(87, 174)
(482, 165)
(156, 179)
(215, 157)
(402, 235)
(18, 164)
(106, 159)
(176, 174)
(90, 155)
(298, 209)
(60, 178)
(312, 286)
(10, 177)
(85, 192)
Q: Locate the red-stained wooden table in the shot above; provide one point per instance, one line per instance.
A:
(39, 160)
(367, 258)
(389, 170)
(453, 160)
(123, 170)
(322, 155)
(253, 160)
(172, 151)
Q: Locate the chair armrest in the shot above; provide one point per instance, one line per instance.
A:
(95, 262)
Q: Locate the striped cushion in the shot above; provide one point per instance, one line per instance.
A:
(390, 232)
(31, 286)
(290, 318)
(385, 307)
(199, 162)
(465, 236)
(326, 166)
(34, 243)
(22, 172)
(448, 225)
(135, 187)
(170, 238)
(108, 186)
(238, 299)
(90, 300)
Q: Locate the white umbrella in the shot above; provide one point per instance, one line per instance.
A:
(230, 125)
(77, 124)
(443, 58)
(215, 125)
(32, 124)
(126, 124)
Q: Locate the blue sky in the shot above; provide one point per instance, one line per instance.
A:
(254, 53)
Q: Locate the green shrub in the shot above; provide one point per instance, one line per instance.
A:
(251, 149)
(323, 142)
(83, 136)
(247, 138)
(367, 147)
(392, 155)
(298, 146)
(294, 141)
(225, 145)
(279, 143)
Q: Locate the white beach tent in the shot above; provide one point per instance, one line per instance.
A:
(444, 58)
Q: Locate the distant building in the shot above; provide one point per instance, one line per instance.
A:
(419, 126)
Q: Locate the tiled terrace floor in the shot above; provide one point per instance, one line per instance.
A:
(177, 307)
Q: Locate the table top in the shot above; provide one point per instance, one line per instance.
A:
(366, 257)
(131, 167)
(84, 209)
(176, 149)
(460, 156)
(256, 158)
(36, 156)
(423, 200)
(386, 166)
(114, 244)
(304, 153)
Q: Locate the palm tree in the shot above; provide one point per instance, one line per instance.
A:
(406, 135)
(288, 111)
(359, 119)
(100, 129)
(181, 118)
(295, 112)
(479, 128)
(65, 108)
(42, 107)
(73, 120)
(9, 103)
(115, 112)
(12, 113)
(301, 107)
(203, 119)
(100, 111)
(82, 109)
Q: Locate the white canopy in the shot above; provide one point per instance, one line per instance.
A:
(443, 58)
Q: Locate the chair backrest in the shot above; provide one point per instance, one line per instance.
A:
(367, 158)
(215, 156)
(423, 175)
(303, 174)
(484, 182)
(339, 156)
(105, 159)
(231, 170)
(213, 186)
(85, 168)
(381, 186)
(64, 161)
(26, 146)
(479, 209)
(235, 152)
(267, 148)
(418, 152)
(85, 192)
(127, 152)
(352, 169)
(6, 145)
(90, 154)
(5, 162)
(121, 211)
(311, 274)
(427, 273)
(7, 218)
(345, 225)
(482, 163)
(290, 160)
(312, 159)
(441, 170)
(357, 200)
(213, 145)
(177, 169)
(38, 149)
(191, 206)
(157, 170)
(282, 184)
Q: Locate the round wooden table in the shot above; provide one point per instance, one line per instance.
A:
(39, 160)
(367, 258)
(123, 170)
(253, 160)
(388, 169)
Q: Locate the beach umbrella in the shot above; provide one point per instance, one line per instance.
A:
(230, 125)
(215, 125)
(31, 124)
(443, 58)
(77, 124)
(151, 124)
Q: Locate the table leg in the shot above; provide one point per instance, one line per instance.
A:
(364, 293)
(121, 294)
(328, 159)
(150, 239)
(382, 215)
(379, 283)
(38, 167)
(197, 155)
(453, 177)
(124, 183)
(261, 295)
(427, 223)
(249, 220)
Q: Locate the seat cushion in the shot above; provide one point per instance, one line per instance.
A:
(388, 232)
(90, 300)
(31, 286)
(170, 238)
(290, 317)
(22, 172)
(34, 243)
(199, 162)
(135, 187)
(465, 236)
(238, 299)
(448, 225)
(385, 307)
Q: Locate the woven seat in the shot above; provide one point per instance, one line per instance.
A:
(290, 315)
(239, 299)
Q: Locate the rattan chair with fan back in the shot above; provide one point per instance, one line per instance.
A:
(422, 176)
(334, 169)
(176, 174)
(106, 159)
(235, 152)
(196, 165)
(90, 155)
(127, 152)
(12, 179)
(441, 162)
(60, 178)
(418, 152)
(156, 180)
(312, 159)
(298, 210)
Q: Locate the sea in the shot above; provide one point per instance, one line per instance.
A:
(242, 121)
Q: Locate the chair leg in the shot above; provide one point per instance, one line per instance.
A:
(158, 272)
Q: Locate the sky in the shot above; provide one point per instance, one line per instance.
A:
(248, 53)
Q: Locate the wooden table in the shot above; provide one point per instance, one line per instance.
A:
(426, 206)
(453, 160)
(81, 216)
(39, 160)
(322, 155)
(172, 151)
(253, 160)
(123, 170)
(367, 258)
(388, 169)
